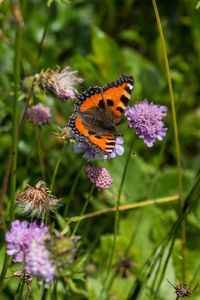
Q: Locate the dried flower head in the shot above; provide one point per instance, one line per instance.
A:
(22, 275)
(39, 114)
(182, 290)
(146, 118)
(26, 242)
(37, 200)
(63, 133)
(60, 82)
(99, 176)
(125, 267)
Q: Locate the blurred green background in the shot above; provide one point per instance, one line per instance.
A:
(103, 39)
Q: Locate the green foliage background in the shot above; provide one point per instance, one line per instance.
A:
(103, 39)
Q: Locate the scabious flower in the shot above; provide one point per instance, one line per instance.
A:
(99, 176)
(37, 200)
(90, 153)
(146, 118)
(38, 261)
(19, 237)
(60, 82)
(39, 114)
(22, 240)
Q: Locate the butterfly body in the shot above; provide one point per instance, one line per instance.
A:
(98, 111)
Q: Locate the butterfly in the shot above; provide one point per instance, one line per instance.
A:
(98, 111)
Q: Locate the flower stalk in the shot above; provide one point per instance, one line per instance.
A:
(177, 147)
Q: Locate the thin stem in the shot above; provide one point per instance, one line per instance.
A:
(28, 291)
(116, 227)
(14, 148)
(31, 91)
(44, 293)
(28, 99)
(167, 69)
(57, 167)
(40, 151)
(23, 115)
(126, 207)
(54, 292)
(18, 38)
(73, 188)
(21, 289)
(84, 208)
(166, 263)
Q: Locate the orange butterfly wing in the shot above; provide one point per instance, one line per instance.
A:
(114, 98)
(105, 143)
(117, 95)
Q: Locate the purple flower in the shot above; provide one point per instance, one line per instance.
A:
(39, 114)
(26, 242)
(146, 118)
(38, 261)
(90, 153)
(19, 238)
(99, 176)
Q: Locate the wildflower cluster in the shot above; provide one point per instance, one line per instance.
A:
(90, 153)
(39, 114)
(26, 242)
(99, 176)
(146, 119)
(62, 83)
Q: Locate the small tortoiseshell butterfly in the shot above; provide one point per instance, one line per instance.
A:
(98, 111)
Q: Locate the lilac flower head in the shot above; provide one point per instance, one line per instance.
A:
(146, 118)
(38, 261)
(60, 82)
(99, 176)
(90, 153)
(26, 242)
(19, 237)
(39, 114)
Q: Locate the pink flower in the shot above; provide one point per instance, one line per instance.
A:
(39, 114)
(99, 176)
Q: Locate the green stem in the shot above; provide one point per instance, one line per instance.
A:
(73, 188)
(56, 168)
(54, 292)
(116, 226)
(21, 289)
(18, 38)
(44, 293)
(40, 152)
(167, 69)
(39, 52)
(84, 209)
(16, 67)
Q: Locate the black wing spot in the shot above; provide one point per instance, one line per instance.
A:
(124, 100)
(91, 132)
(110, 143)
(119, 108)
(98, 137)
(101, 104)
(127, 88)
(110, 102)
(110, 138)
